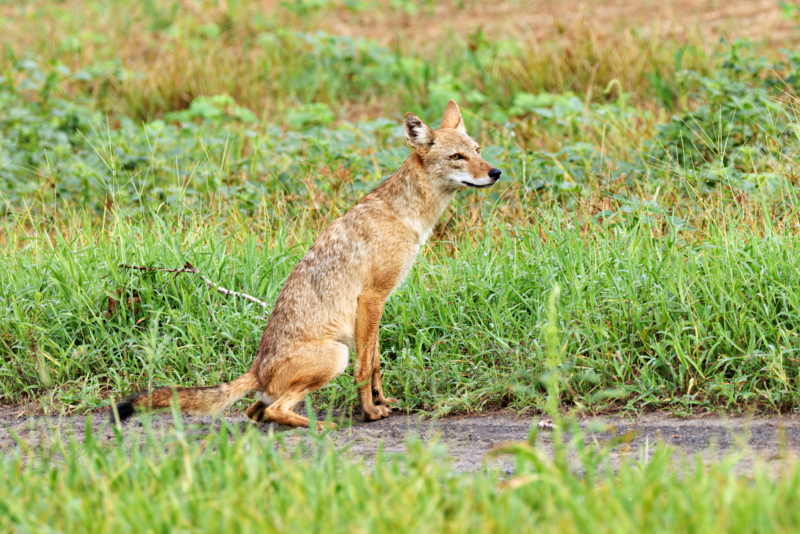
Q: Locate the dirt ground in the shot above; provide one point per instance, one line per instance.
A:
(760, 442)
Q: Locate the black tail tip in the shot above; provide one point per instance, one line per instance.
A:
(124, 409)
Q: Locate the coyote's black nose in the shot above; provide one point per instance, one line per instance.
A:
(494, 174)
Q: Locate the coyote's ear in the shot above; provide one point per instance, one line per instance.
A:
(419, 136)
(452, 117)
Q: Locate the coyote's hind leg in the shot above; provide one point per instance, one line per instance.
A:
(312, 365)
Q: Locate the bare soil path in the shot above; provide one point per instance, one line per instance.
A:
(761, 442)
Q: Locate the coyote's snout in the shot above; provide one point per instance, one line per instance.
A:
(333, 299)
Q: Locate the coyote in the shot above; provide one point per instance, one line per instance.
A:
(334, 298)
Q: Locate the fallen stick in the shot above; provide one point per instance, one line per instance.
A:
(189, 268)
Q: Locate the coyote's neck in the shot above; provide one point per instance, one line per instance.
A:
(414, 199)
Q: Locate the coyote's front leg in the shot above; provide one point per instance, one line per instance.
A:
(377, 386)
(368, 319)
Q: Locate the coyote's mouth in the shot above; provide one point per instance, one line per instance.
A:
(477, 186)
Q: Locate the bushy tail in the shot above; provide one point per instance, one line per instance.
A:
(199, 400)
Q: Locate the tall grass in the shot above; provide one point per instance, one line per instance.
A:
(665, 315)
(642, 250)
(672, 236)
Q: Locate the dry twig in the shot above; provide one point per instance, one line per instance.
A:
(189, 268)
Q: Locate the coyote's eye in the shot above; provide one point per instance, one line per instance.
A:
(455, 156)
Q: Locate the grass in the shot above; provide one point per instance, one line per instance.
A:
(672, 237)
(240, 482)
(645, 309)
(651, 177)
(641, 251)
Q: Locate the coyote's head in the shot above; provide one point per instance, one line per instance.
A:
(450, 156)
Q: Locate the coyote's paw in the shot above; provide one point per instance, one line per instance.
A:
(388, 402)
(375, 413)
(256, 412)
(379, 400)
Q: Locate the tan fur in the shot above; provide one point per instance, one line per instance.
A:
(333, 300)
